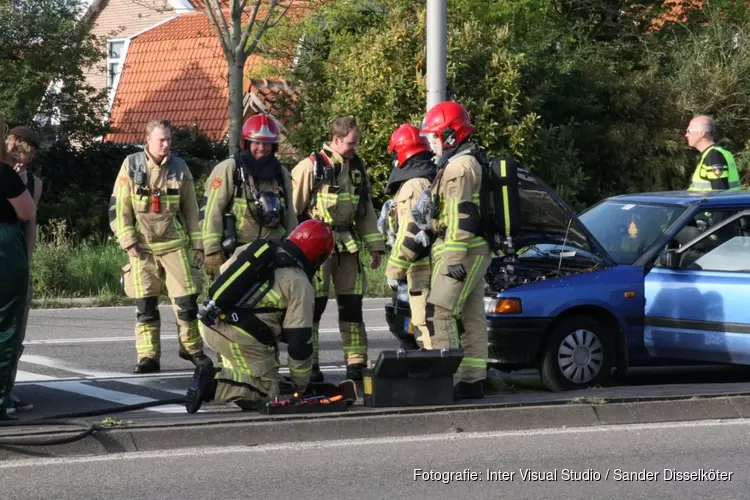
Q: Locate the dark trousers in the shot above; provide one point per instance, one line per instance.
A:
(14, 281)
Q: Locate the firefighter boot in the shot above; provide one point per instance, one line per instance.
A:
(354, 372)
(147, 365)
(202, 385)
(316, 376)
(469, 390)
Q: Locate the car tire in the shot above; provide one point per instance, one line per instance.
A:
(579, 353)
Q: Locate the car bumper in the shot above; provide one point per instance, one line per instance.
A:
(515, 342)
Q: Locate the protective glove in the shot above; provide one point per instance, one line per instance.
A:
(457, 272)
(393, 284)
(212, 263)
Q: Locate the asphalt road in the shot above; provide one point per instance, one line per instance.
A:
(81, 359)
(668, 461)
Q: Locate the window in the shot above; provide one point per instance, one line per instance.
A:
(726, 249)
(115, 58)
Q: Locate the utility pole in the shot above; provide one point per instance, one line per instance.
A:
(437, 42)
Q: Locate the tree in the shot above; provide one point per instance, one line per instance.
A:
(43, 48)
(368, 59)
(238, 42)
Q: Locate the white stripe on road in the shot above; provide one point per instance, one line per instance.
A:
(197, 453)
(22, 376)
(68, 367)
(131, 338)
(108, 395)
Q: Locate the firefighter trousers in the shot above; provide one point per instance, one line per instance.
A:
(142, 280)
(456, 317)
(14, 269)
(249, 369)
(418, 293)
(350, 284)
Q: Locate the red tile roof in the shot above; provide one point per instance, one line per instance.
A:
(175, 71)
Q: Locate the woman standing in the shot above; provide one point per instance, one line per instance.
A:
(16, 205)
(23, 143)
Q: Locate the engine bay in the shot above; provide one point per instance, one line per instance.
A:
(505, 273)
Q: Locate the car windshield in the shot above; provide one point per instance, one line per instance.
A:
(627, 230)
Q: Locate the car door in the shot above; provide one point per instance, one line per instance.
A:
(697, 305)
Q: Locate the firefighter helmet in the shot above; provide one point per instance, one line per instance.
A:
(315, 240)
(260, 128)
(405, 142)
(450, 122)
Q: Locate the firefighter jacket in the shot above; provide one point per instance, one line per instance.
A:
(456, 218)
(287, 311)
(220, 197)
(155, 205)
(338, 192)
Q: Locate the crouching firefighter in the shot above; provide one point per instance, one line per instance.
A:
(332, 185)
(412, 174)
(460, 253)
(263, 296)
(247, 196)
(154, 214)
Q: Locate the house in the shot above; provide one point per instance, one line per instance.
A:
(165, 60)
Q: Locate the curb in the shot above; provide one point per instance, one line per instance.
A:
(240, 430)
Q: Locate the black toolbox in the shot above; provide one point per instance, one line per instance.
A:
(411, 378)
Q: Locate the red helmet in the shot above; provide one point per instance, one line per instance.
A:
(405, 142)
(450, 122)
(260, 128)
(315, 239)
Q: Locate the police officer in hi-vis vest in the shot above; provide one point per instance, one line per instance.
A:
(716, 169)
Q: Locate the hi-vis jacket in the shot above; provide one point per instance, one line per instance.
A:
(131, 212)
(287, 310)
(338, 201)
(220, 189)
(457, 220)
(408, 257)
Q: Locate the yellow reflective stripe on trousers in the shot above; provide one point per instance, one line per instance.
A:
(478, 363)
(468, 285)
(190, 289)
(138, 278)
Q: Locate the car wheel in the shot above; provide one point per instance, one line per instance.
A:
(578, 354)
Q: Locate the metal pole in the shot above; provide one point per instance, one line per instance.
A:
(437, 41)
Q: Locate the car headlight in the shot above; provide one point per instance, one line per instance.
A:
(403, 293)
(502, 305)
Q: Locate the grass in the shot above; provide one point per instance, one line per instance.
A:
(64, 268)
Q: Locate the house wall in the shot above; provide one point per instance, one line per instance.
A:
(119, 19)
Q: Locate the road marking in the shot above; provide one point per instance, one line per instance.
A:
(29, 378)
(22, 377)
(131, 338)
(68, 367)
(111, 396)
(368, 442)
(83, 308)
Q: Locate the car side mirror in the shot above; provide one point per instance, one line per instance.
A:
(669, 259)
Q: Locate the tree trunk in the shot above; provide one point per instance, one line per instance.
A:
(236, 75)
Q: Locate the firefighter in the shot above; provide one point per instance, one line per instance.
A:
(154, 214)
(246, 333)
(412, 174)
(242, 204)
(332, 185)
(460, 255)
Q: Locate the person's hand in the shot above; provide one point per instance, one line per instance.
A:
(212, 263)
(376, 258)
(393, 284)
(134, 251)
(199, 257)
(457, 272)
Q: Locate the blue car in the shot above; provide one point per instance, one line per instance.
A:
(649, 279)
